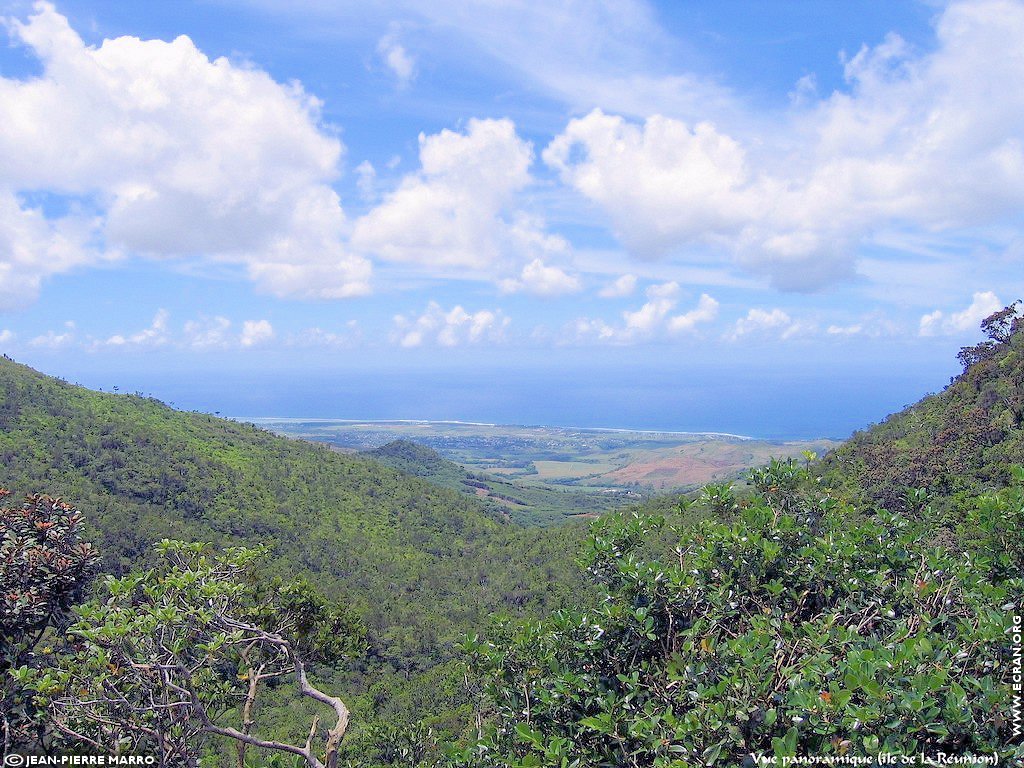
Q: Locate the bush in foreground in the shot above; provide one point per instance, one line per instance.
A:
(798, 628)
(45, 568)
(168, 658)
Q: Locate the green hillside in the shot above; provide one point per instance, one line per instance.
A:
(831, 613)
(956, 443)
(516, 500)
(687, 633)
(420, 564)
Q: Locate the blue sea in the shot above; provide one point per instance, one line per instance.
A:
(756, 399)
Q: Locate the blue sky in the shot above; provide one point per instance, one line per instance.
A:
(750, 199)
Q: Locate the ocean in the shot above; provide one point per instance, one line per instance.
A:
(756, 400)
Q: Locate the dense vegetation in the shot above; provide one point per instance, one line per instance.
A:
(45, 569)
(783, 623)
(955, 444)
(516, 501)
(166, 656)
(420, 565)
(842, 609)
(788, 630)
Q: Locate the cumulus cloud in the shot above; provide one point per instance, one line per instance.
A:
(871, 325)
(542, 280)
(175, 155)
(655, 317)
(202, 333)
(56, 339)
(938, 323)
(366, 180)
(854, 329)
(660, 301)
(455, 327)
(33, 247)
(705, 311)
(156, 335)
(930, 140)
(397, 59)
(459, 211)
(622, 286)
(759, 320)
(661, 182)
(775, 323)
(208, 333)
(256, 333)
(7, 336)
(593, 329)
(319, 337)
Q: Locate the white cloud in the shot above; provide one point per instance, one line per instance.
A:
(209, 333)
(155, 335)
(542, 280)
(805, 91)
(775, 323)
(661, 300)
(448, 214)
(397, 59)
(660, 183)
(621, 287)
(318, 337)
(256, 333)
(705, 311)
(872, 325)
(931, 141)
(966, 320)
(56, 339)
(457, 216)
(855, 329)
(366, 180)
(652, 319)
(7, 336)
(178, 156)
(592, 329)
(584, 52)
(202, 333)
(33, 248)
(455, 327)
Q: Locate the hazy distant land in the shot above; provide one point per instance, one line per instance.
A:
(602, 461)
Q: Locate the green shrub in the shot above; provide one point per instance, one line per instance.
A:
(798, 628)
(168, 658)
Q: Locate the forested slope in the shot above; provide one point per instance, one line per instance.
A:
(954, 444)
(421, 564)
(515, 500)
(691, 637)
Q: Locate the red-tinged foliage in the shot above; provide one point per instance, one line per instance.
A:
(44, 570)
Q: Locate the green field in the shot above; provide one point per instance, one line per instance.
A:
(544, 474)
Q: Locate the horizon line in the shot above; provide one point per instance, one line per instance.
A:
(457, 422)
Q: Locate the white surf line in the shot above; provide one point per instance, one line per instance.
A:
(659, 432)
(623, 430)
(319, 420)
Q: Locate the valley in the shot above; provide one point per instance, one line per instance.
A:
(447, 594)
(542, 474)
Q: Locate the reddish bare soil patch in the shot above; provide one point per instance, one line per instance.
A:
(673, 472)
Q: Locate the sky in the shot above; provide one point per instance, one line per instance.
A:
(779, 218)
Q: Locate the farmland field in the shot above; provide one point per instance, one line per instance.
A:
(591, 457)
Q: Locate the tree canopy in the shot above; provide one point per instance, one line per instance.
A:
(797, 626)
